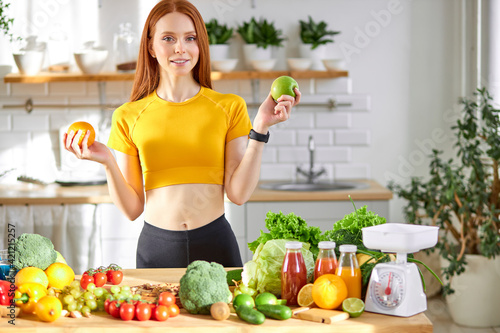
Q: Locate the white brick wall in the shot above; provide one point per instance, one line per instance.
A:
(26, 138)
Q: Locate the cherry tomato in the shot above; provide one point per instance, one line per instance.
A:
(127, 311)
(107, 302)
(114, 309)
(100, 279)
(114, 277)
(161, 313)
(142, 311)
(173, 310)
(85, 280)
(166, 298)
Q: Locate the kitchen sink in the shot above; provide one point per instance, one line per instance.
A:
(311, 187)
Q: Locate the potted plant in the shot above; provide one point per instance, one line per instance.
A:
(314, 37)
(259, 37)
(218, 37)
(5, 27)
(462, 197)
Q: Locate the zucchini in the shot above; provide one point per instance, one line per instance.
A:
(275, 311)
(235, 275)
(250, 315)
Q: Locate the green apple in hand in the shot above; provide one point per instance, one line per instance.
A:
(283, 85)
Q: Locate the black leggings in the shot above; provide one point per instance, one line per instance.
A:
(161, 248)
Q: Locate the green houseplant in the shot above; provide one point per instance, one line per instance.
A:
(218, 33)
(462, 196)
(262, 33)
(315, 34)
(5, 21)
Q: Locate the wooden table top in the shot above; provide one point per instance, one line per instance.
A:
(102, 322)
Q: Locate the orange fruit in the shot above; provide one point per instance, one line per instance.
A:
(329, 291)
(59, 275)
(84, 126)
(48, 308)
(31, 274)
(304, 298)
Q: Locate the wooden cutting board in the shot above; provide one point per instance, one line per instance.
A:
(319, 315)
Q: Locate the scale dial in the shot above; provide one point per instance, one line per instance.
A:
(388, 289)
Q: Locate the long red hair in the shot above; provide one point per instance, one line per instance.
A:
(147, 74)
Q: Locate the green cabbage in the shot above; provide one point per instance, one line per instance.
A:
(263, 272)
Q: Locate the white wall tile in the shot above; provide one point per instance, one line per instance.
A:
(67, 88)
(298, 120)
(30, 123)
(4, 88)
(321, 137)
(277, 171)
(352, 171)
(281, 137)
(5, 122)
(29, 89)
(357, 102)
(352, 137)
(342, 85)
(269, 155)
(293, 155)
(333, 120)
(332, 154)
(13, 148)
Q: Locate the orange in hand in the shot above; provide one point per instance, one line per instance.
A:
(84, 126)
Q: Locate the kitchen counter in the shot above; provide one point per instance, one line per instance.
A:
(368, 322)
(54, 194)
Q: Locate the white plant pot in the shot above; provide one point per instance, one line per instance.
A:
(252, 52)
(219, 51)
(316, 55)
(476, 300)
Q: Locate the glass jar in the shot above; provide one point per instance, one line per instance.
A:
(326, 263)
(4, 264)
(126, 48)
(293, 272)
(348, 269)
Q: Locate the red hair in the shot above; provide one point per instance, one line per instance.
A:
(147, 75)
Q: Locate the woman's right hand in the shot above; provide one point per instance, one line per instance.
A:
(97, 152)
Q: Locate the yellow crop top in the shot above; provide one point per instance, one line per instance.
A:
(180, 143)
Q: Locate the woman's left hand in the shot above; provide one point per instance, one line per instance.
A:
(271, 113)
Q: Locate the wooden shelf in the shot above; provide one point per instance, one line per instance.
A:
(44, 77)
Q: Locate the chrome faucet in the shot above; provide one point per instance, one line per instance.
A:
(311, 174)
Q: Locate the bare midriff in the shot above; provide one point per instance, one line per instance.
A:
(184, 206)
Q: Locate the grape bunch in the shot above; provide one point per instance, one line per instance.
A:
(73, 298)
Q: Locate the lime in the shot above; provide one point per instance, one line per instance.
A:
(265, 298)
(353, 306)
(243, 300)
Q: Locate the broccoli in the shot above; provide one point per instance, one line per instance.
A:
(202, 285)
(33, 250)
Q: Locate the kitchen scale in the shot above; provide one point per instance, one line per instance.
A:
(395, 288)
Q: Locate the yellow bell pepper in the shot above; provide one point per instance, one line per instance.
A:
(27, 295)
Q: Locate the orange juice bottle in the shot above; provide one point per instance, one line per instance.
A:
(348, 270)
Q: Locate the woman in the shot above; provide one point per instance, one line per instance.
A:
(179, 145)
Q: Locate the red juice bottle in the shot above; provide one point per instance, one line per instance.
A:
(326, 263)
(293, 273)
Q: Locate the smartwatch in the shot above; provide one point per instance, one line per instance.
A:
(258, 137)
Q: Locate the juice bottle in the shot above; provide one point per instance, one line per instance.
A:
(326, 263)
(348, 270)
(293, 272)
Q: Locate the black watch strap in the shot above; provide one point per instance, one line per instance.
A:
(259, 137)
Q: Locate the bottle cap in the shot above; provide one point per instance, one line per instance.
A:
(326, 245)
(293, 245)
(348, 248)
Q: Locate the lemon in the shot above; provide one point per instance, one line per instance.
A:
(31, 274)
(304, 298)
(59, 275)
(48, 308)
(353, 306)
(60, 258)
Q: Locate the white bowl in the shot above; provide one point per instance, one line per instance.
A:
(263, 65)
(299, 64)
(91, 61)
(29, 62)
(226, 65)
(334, 64)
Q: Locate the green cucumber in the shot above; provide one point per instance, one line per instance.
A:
(250, 315)
(235, 275)
(275, 311)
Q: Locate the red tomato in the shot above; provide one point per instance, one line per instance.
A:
(173, 310)
(166, 298)
(114, 277)
(161, 313)
(100, 279)
(127, 311)
(114, 309)
(85, 280)
(142, 311)
(106, 305)
(153, 308)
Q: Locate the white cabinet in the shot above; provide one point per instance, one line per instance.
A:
(322, 214)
